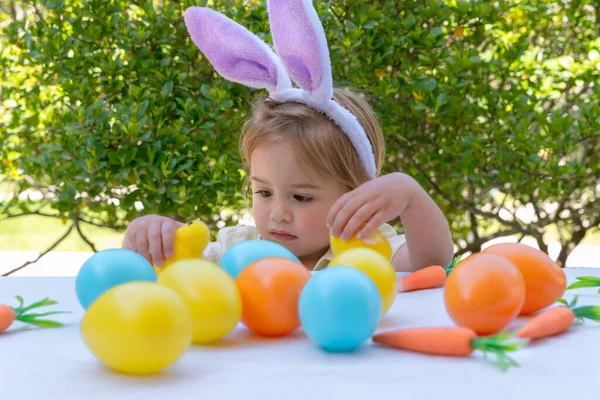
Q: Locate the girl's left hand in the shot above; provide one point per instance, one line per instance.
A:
(374, 203)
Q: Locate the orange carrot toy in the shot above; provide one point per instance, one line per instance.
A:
(558, 320)
(451, 341)
(426, 278)
(9, 314)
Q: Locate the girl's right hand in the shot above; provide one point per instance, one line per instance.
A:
(152, 236)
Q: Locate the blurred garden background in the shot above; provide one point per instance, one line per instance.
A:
(109, 112)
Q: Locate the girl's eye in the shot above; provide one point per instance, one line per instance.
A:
(263, 193)
(302, 199)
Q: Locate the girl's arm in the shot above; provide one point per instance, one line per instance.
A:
(428, 237)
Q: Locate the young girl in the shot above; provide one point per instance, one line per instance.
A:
(314, 153)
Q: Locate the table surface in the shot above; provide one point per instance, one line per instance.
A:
(55, 364)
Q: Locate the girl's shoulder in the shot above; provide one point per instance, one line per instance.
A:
(227, 237)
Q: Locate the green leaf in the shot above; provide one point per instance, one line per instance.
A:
(207, 125)
(167, 88)
(587, 312)
(430, 84)
(441, 99)
(573, 302)
(464, 83)
(205, 90)
(142, 109)
(436, 31)
(452, 265)
(563, 301)
(499, 345)
(585, 282)
(45, 323)
(37, 315)
(42, 303)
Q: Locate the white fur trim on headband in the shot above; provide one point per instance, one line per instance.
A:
(343, 118)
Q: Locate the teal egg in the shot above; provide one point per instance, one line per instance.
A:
(242, 254)
(109, 268)
(339, 308)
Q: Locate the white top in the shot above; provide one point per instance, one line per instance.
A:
(54, 363)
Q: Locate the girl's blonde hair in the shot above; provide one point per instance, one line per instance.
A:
(315, 139)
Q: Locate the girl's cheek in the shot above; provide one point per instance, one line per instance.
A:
(260, 212)
(314, 220)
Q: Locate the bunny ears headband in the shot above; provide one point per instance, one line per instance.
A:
(302, 55)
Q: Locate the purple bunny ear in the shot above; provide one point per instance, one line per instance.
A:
(301, 44)
(236, 53)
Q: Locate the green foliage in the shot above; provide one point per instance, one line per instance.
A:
(110, 100)
(492, 106)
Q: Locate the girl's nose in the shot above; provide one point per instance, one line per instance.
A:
(279, 212)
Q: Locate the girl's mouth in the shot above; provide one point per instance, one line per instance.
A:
(282, 235)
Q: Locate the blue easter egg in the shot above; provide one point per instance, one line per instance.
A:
(339, 308)
(242, 254)
(109, 268)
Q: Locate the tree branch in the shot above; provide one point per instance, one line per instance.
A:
(467, 205)
(476, 244)
(42, 214)
(42, 254)
(537, 210)
(39, 14)
(85, 239)
(99, 225)
(579, 233)
(559, 209)
(338, 19)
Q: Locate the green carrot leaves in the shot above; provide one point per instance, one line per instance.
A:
(585, 282)
(23, 314)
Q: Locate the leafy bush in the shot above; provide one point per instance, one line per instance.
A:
(492, 106)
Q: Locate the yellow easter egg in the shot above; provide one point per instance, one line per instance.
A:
(138, 327)
(376, 241)
(190, 241)
(211, 294)
(375, 266)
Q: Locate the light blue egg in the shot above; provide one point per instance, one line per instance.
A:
(242, 254)
(339, 308)
(109, 268)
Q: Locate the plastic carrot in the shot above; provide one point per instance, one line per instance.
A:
(451, 341)
(426, 278)
(558, 320)
(7, 316)
(22, 313)
(585, 282)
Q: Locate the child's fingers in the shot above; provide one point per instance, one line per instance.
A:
(337, 206)
(362, 215)
(168, 238)
(155, 243)
(370, 227)
(141, 241)
(345, 213)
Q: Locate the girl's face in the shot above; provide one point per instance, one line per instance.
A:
(290, 201)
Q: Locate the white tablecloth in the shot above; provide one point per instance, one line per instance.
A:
(55, 364)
